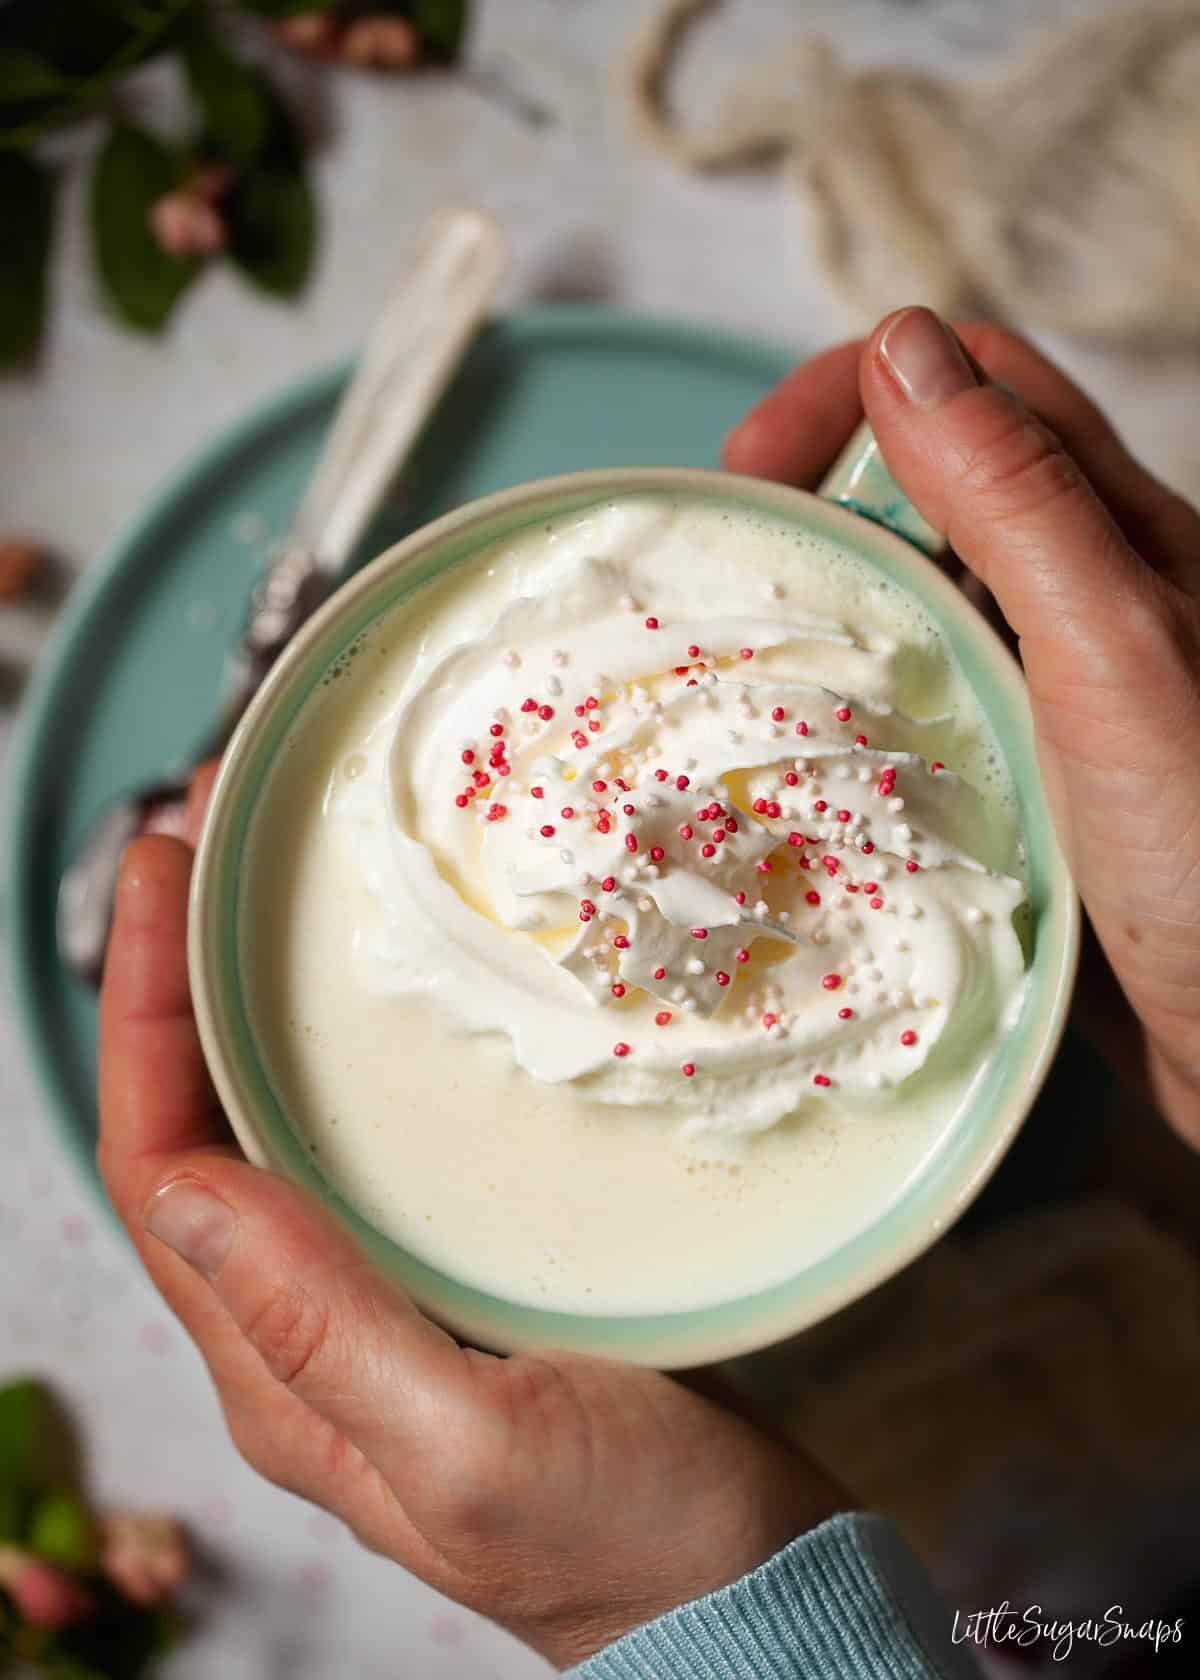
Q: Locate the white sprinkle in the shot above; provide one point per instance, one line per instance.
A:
(864, 775)
(645, 904)
(694, 966)
(627, 603)
(895, 804)
(500, 715)
(877, 1081)
(775, 592)
(973, 914)
(760, 909)
(629, 873)
(651, 872)
(903, 832)
(800, 764)
(784, 916)
(512, 659)
(567, 855)
(820, 937)
(678, 993)
(898, 999)
(689, 1006)
(774, 729)
(553, 686)
(582, 879)
(559, 657)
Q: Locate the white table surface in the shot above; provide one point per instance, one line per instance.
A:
(106, 414)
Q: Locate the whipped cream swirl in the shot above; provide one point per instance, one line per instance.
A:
(683, 851)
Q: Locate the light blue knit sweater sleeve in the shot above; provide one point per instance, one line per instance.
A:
(847, 1601)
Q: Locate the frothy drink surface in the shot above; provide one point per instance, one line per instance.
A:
(628, 919)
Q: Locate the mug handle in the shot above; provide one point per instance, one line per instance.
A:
(860, 481)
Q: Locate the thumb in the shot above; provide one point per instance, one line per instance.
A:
(1014, 505)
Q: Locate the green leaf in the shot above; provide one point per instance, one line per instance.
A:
(26, 75)
(143, 282)
(62, 1530)
(14, 1502)
(233, 99)
(28, 1433)
(26, 193)
(441, 25)
(272, 226)
(285, 8)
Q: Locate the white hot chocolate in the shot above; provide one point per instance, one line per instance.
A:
(629, 916)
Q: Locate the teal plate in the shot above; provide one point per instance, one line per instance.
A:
(128, 684)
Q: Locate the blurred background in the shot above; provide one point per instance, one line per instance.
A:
(203, 203)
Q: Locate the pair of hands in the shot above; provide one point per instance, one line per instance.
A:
(568, 1498)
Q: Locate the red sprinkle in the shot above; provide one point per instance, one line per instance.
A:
(731, 826)
(870, 886)
(595, 726)
(617, 989)
(591, 702)
(747, 653)
(688, 1069)
(739, 898)
(699, 933)
(620, 1048)
(631, 842)
(821, 1079)
(812, 897)
(657, 854)
(460, 799)
(769, 1020)
(621, 942)
(681, 670)
(721, 977)
(496, 729)
(860, 740)
(693, 652)
(586, 904)
(791, 778)
(660, 973)
(760, 805)
(468, 757)
(537, 793)
(776, 714)
(937, 765)
(708, 849)
(629, 810)
(764, 866)
(842, 714)
(843, 816)
(480, 778)
(660, 776)
(545, 713)
(845, 1014)
(831, 982)
(496, 812)
(686, 831)
(912, 866)
(682, 782)
(802, 728)
(609, 884)
(661, 1019)
(908, 1037)
(774, 808)
(868, 846)
(795, 838)
(546, 831)
(877, 904)
(820, 806)
(568, 811)
(529, 704)
(652, 624)
(599, 787)
(743, 955)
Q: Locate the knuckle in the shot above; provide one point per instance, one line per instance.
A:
(1019, 469)
(289, 1330)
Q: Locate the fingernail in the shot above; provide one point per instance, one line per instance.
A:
(925, 359)
(196, 1224)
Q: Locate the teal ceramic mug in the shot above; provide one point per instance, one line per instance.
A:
(859, 508)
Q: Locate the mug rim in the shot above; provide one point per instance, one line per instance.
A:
(948, 1180)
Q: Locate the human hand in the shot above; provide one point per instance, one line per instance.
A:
(569, 1499)
(1095, 565)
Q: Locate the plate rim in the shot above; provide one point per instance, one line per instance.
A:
(104, 574)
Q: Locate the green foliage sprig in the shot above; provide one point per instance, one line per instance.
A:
(159, 207)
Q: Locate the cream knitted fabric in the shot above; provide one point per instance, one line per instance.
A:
(1063, 196)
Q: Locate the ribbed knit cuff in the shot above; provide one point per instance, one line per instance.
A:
(847, 1601)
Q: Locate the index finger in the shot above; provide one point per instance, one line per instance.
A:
(155, 1095)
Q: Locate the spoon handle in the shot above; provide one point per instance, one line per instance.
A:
(409, 358)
